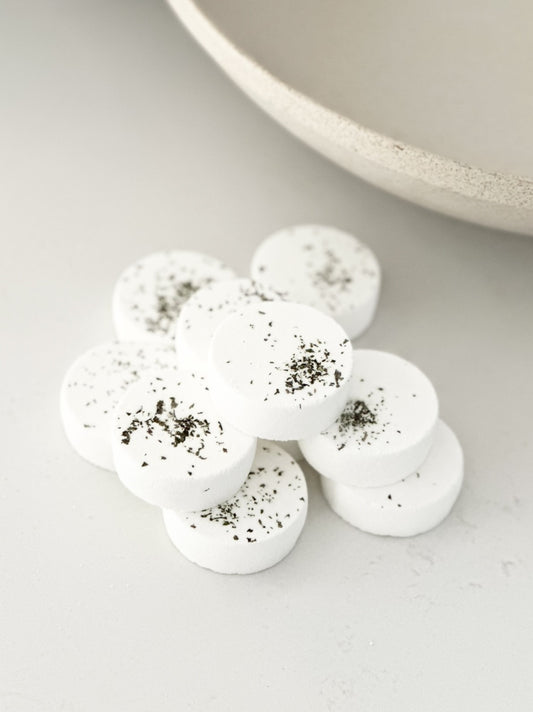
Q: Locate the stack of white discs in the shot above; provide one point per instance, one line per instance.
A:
(215, 380)
(387, 464)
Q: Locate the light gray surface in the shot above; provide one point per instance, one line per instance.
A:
(120, 137)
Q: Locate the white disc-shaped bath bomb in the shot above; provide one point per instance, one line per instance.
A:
(323, 267)
(280, 370)
(205, 310)
(172, 448)
(94, 384)
(386, 428)
(254, 529)
(411, 506)
(150, 293)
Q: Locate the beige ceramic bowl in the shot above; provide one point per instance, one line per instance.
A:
(432, 101)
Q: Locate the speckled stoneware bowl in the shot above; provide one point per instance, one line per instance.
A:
(432, 101)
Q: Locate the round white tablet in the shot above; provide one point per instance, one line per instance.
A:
(280, 370)
(323, 267)
(93, 386)
(254, 529)
(411, 506)
(205, 310)
(150, 293)
(386, 428)
(172, 448)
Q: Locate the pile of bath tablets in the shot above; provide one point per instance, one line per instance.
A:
(217, 385)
